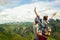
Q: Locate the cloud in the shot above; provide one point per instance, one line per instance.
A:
(3, 2)
(26, 12)
(34, 0)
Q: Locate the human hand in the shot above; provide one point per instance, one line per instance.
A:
(34, 8)
(54, 13)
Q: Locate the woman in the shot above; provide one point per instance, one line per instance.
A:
(40, 30)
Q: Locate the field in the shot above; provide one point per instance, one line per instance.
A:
(24, 30)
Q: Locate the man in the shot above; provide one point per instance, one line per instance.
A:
(40, 29)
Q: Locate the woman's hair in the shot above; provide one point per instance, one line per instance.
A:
(45, 17)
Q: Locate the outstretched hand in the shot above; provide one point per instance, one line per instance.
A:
(36, 12)
(34, 9)
(54, 14)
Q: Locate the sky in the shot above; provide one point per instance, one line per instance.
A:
(23, 10)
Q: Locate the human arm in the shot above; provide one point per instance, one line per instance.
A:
(53, 15)
(36, 12)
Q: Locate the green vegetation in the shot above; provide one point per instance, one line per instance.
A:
(24, 30)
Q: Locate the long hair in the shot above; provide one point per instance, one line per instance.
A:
(45, 17)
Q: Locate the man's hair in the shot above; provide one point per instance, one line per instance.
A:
(45, 17)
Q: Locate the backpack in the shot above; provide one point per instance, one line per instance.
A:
(47, 31)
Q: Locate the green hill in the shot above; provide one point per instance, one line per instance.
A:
(24, 30)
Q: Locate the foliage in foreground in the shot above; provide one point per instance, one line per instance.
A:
(24, 31)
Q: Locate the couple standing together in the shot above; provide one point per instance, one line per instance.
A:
(41, 29)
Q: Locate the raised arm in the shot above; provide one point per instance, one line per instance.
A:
(35, 11)
(53, 15)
